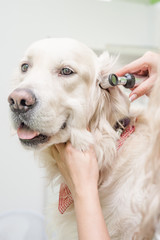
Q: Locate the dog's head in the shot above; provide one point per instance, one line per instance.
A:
(56, 90)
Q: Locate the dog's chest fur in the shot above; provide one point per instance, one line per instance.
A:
(121, 193)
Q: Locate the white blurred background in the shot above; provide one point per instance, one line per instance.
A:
(126, 27)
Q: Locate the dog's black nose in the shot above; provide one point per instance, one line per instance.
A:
(21, 100)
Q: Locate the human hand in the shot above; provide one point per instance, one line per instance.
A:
(146, 66)
(80, 169)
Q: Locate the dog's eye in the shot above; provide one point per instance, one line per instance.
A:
(24, 67)
(66, 71)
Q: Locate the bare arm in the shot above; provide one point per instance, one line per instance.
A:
(80, 169)
(90, 221)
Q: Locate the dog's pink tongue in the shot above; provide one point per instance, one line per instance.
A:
(26, 133)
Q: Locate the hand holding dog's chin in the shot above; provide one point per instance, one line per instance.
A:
(79, 168)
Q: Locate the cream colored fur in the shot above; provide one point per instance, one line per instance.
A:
(129, 178)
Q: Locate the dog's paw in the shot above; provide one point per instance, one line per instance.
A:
(81, 139)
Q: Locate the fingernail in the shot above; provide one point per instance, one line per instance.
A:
(133, 97)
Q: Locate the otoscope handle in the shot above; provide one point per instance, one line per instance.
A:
(130, 80)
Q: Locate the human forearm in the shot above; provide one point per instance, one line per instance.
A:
(90, 220)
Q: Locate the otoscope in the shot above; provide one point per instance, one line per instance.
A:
(128, 81)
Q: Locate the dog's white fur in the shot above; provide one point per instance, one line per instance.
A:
(130, 179)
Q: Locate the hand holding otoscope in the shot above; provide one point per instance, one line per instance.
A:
(145, 70)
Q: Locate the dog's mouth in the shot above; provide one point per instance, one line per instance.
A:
(31, 137)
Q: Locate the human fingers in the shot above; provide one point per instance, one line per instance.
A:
(60, 147)
(55, 153)
(138, 66)
(142, 66)
(143, 89)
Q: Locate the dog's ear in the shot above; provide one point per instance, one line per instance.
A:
(106, 107)
(106, 65)
(118, 100)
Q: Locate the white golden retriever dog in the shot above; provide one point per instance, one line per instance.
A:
(56, 97)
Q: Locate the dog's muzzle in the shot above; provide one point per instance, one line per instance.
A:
(21, 100)
(22, 104)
